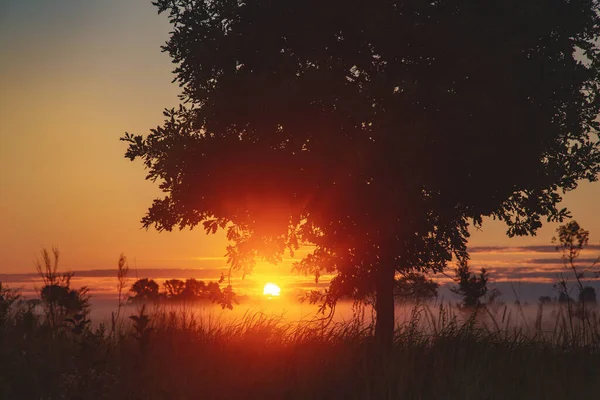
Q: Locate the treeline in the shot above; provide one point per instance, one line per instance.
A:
(190, 290)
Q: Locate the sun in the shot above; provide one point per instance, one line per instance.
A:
(271, 290)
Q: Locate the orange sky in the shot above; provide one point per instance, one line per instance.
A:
(74, 76)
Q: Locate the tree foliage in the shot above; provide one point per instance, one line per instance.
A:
(471, 287)
(147, 290)
(587, 295)
(415, 286)
(374, 130)
(144, 290)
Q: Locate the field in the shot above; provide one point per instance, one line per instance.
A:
(172, 352)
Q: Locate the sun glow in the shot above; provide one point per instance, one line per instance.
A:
(271, 290)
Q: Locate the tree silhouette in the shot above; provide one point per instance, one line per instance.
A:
(376, 131)
(144, 290)
(193, 289)
(471, 287)
(587, 295)
(147, 290)
(564, 298)
(415, 286)
(174, 288)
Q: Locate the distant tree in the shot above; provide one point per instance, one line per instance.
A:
(375, 131)
(194, 289)
(144, 290)
(564, 298)
(415, 286)
(588, 295)
(571, 239)
(174, 288)
(473, 288)
(545, 300)
(211, 291)
(8, 297)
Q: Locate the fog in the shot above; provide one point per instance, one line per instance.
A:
(428, 317)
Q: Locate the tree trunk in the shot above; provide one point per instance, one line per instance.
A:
(384, 306)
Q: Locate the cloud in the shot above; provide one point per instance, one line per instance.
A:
(523, 249)
(582, 262)
(198, 273)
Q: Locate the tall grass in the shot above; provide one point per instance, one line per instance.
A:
(439, 352)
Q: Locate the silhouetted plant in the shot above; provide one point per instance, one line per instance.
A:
(472, 287)
(122, 272)
(177, 290)
(78, 323)
(225, 297)
(587, 295)
(8, 297)
(144, 290)
(263, 356)
(564, 298)
(571, 239)
(65, 302)
(415, 286)
(141, 330)
(174, 288)
(47, 269)
(193, 289)
(59, 300)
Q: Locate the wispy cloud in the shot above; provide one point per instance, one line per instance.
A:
(198, 273)
(524, 249)
(583, 262)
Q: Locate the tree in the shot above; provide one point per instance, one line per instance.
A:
(415, 286)
(375, 131)
(145, 290)
(564, 298)
(587, 295)
(174, 288)
(471, 287)
(194, 289)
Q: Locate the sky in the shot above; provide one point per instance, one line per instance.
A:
(74, 77)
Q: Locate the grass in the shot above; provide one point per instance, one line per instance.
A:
(439, 353)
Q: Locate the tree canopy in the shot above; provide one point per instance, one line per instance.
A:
(471, 287)
(376, 131)
(147, 291)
